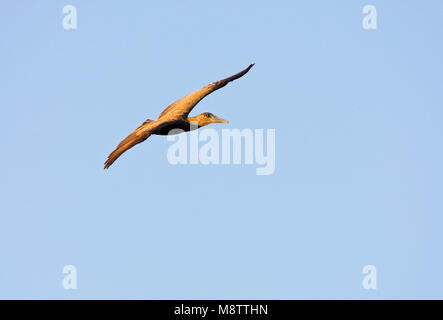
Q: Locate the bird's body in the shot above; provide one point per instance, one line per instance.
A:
(173, 117)
(181, 124)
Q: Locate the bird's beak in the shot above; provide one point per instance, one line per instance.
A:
(220, 120)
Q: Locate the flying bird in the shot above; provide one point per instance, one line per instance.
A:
(175, 116)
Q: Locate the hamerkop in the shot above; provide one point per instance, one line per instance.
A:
(175, 117)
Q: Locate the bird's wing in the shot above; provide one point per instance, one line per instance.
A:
(182, 107)
(138, 135)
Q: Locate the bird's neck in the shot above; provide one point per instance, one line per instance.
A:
(195, 122)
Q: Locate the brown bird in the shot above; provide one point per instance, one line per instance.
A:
(175, 116)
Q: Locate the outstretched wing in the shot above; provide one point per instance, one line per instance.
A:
(184, 106)
(138, 135)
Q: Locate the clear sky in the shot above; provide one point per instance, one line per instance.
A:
(358, 176)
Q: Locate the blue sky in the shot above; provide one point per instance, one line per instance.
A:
(358, 177)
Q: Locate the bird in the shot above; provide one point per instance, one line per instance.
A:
(175, 116)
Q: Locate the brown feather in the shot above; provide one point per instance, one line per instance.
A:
(182, 107)
(138, 135)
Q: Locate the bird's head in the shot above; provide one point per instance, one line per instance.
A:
(205, 118)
